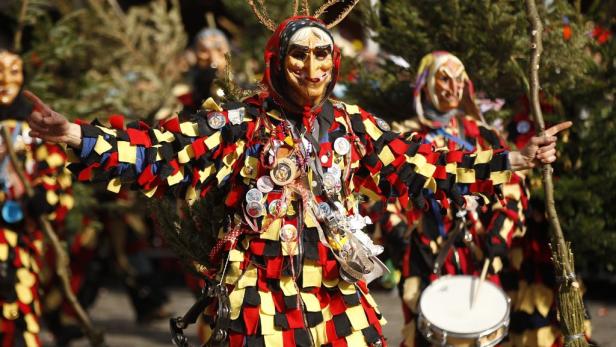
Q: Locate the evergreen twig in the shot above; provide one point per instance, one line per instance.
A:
(570, 305)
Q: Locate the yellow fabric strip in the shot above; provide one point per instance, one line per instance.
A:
(356, 339)
(267, 303)
(4, 251)
(372, 130)
(465, 175)
(126, 152)
(248, 278)
(500, 177)
(311, 302)
(210, 104)
(102, 145)
(176, 178)
(386, 156)
(351, 109)
(150, 192)
(346, 288)
(267, 326)
(114, 185)
(186, 154)
(108, 131)
(236, 298)
(224, 172)
(213, 140)
(313, 273)
(166, 136)
(483, 157)
(273, 231)
(11, 237)
(235, 255)
(274, 339)
(287, 286)
(207, 172)
(189, 129)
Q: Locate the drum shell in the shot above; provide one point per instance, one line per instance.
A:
(441, 337)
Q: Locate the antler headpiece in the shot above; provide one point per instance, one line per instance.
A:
(260, 11)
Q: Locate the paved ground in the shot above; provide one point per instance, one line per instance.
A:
(112, 312)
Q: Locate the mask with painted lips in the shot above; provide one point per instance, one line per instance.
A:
(448, 86)
(308, 70)
(11, 77)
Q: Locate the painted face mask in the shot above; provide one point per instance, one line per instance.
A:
(448, 85)
(210, 48)
(441, 88)
(301, 64)
(11, 77)
(308, 66)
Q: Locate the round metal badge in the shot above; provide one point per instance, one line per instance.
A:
(277, 208)
(216, 120)
(265, 184)
(255, 209)
(288, 233)
(342, 146)
(284, 172)
(331, 183)
(382, 124)
(324, 159)
(254, 195)
(324, 210)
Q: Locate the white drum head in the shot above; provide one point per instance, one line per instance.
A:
(446, 304)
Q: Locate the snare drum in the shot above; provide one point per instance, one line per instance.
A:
(446, 318)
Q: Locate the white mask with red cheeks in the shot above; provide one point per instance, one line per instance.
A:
(308, 66)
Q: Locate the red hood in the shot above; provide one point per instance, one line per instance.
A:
(273, 78)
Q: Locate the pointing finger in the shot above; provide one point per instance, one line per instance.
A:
(558, 128)
(38, 103)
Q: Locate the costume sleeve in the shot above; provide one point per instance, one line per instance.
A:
(51, 182)
(184, 159)
(394, 166)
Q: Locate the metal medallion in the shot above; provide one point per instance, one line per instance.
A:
(277, 208)
(236, 116)
(331, 182)
(216, 120)
(265, 184)
(284, 171)
(288, 233)
(335, 170)
(324, 159)
(255, 209)
(342, 146)
(324, 210)
(254, 195)
(382, 124)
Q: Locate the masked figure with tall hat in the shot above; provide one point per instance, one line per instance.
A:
(292, 262)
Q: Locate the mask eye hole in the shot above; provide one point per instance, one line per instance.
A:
(322, 52)
(298, 52)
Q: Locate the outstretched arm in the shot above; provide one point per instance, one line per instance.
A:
(184, 158)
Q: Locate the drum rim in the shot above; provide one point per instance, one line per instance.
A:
(502, 323)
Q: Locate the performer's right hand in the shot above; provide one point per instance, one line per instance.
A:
(51, 126)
